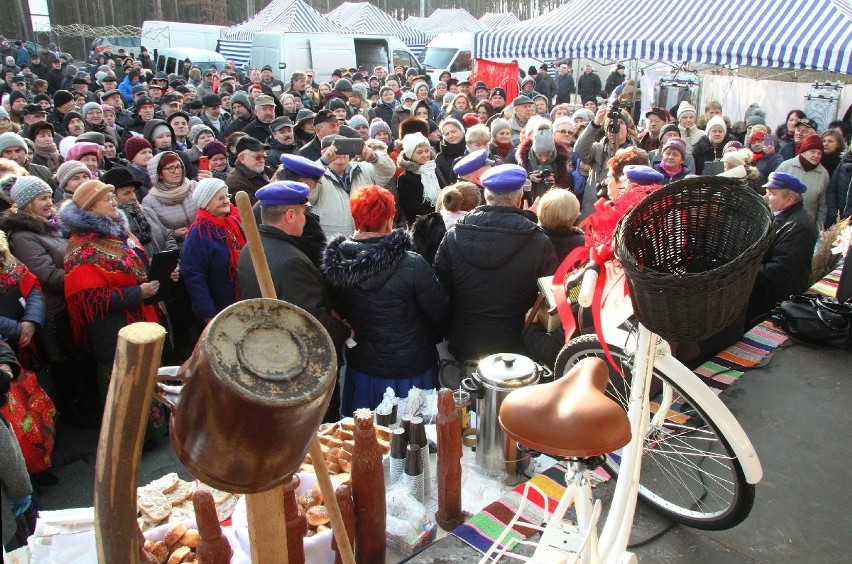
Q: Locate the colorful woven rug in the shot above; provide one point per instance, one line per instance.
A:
(481, 530)
(828, 285)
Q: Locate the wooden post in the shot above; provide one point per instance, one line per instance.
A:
(262, 511)
(134, 372)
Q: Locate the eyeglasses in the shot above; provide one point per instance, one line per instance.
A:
(564, 132)
(173, 168)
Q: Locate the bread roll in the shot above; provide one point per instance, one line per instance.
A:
(317, 515)
(174, 533)
(160, 551)
(190, 538)
(178, 555)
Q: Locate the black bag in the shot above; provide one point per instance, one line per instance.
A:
(817, 320)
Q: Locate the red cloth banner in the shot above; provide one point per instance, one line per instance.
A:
(494, 75)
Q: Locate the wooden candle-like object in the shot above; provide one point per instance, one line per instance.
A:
(347, 509)
(297, 525)
(449, 515)
(368, 491)
(213, 548)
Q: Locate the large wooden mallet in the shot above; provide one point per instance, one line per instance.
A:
(261, 506)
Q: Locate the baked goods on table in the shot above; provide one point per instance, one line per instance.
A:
(338, 444)
(168, 500)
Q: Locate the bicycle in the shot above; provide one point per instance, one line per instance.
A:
(684, 452)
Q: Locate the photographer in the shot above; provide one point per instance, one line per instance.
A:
(545, 160)
(614, 125)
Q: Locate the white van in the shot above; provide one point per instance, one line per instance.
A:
(453, 52)
(165, 35)
(325, 52)
(171, 60)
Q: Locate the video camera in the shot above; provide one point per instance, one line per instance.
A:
(614, 115)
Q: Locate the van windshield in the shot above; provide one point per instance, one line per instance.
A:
(437, 57)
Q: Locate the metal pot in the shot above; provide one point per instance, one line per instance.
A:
(495, 377)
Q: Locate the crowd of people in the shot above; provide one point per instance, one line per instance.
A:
(398, 212)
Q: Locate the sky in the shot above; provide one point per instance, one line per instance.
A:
(40, 19)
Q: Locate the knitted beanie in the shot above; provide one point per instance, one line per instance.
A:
(16, 95)
(28, 188)
(543, 142)
(214, 147)
(89, 107)
(69, 169)
(812, 141)
(411, 142)
(677, 144)
(335, 104)
(499, 125)
(242, 99)
(133, 145)
(198, 130)
(61, 97)
(9, 140)
(3, 113)
(357, 120)
(470, 120)
(716, 121)
(452, 121)
(378, 125)
(206, 189)
(685, 108)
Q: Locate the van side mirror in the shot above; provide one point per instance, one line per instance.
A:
(282, 66)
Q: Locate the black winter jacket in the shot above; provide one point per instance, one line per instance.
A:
(393, 300)
(490, 262)
(704, 151)
(786, 267)
(839, 188)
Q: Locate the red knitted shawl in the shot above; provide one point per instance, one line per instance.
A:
(95, 266)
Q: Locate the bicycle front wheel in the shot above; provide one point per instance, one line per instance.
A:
(689, 471)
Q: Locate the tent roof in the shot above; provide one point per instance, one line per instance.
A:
(445, 20)
(283, 16)
(802, 34)
(497, 21)
(363, 17)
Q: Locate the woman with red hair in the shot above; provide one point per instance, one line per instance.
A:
(392, 299)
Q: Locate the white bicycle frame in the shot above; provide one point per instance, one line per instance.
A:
(568, 542)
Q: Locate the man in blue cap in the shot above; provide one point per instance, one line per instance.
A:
(490, 262)
(299, 169)
(283, 208)
(472, 166)
(786, 267)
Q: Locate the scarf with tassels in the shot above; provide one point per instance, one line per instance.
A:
(228, 228)
(96, 265)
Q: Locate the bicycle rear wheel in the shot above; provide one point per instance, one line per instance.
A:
(689, 473)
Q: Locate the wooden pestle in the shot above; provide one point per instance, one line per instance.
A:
(368, 491)
(347, 509)
(213, 548)
(297, 525)
(263, 508)
(449, 515)
(134, 372)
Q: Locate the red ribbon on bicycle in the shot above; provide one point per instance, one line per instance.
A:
(600, 225)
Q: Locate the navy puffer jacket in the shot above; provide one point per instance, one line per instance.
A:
(392, 299)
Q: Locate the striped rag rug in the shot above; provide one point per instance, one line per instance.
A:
(481, 530)
(756, 346)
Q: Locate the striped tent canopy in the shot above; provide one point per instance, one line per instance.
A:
(363, 17)
(445, 20)
(285, 16)
(415, 21)
(498, 21)
(791, 34)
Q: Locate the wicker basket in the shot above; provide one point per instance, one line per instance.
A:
(691, 252)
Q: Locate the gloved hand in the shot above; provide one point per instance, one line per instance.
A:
(20, 504)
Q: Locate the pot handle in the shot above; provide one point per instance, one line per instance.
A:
(169, 395)
(473, 386)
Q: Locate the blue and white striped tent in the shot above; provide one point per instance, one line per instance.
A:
(498, 21)
(791, 34)
(445, 20)
(285, 16)
(363, 17)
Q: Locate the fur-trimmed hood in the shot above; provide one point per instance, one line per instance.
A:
(365, 263)
(73, 219)
(21, 221)
(563, 156)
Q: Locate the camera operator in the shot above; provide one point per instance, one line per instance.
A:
(614, 125)
(545, 159)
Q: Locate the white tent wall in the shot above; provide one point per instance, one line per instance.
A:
(736, 93)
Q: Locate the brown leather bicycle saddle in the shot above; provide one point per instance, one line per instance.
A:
(569, 417)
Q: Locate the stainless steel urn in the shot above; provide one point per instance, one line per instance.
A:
(495, 377)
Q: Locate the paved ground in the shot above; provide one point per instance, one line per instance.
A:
(796, 412)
